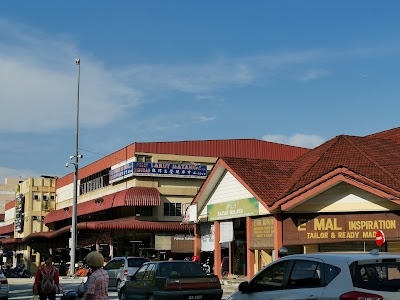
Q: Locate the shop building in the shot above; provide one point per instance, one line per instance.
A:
(334, 197)
(24, 217)
(131, 202)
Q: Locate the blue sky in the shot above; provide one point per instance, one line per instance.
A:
(295, 72)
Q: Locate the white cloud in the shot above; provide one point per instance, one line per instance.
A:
(299, 139)
(14, 173)
(38, 84)
(314, 74)
(205, 119)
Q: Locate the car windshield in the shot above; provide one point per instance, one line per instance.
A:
(185, 269)
(379, 276)
(136, 262)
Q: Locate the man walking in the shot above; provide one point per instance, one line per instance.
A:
(96, 287)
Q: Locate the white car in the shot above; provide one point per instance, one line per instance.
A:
(120, 268)
(4, 289)
(326, 276)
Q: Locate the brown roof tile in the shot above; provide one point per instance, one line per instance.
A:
(376, 158)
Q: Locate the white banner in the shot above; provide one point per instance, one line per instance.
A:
(207, 237)
(226, 232)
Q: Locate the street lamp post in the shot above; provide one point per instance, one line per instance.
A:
(75, 158)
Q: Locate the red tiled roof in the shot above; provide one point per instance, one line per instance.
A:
(373, 161)
(391, 134)
(266, 178)
(7, 229)
(244, 148)
(374, 158)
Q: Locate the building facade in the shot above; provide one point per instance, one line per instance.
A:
(24, 217)
(336, 197)
(131, 202)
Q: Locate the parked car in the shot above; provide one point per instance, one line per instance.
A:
(326, 276)
(119, 268)
(171, 280)
(4, 289)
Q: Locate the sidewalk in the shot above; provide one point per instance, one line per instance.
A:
(230, 284)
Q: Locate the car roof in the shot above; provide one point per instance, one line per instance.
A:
(171, 261)
(130, 257)
(348, 256)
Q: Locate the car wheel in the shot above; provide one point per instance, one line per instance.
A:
(122, 295)
(118, 283)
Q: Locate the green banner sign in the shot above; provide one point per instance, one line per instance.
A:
(232, 209)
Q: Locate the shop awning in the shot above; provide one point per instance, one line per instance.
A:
(134, 196)
(10, 241)
(7, 229)
(138, 196)
(84, 208)
(118, 224)
(132, 224)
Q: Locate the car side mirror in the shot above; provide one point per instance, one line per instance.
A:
(243, 287)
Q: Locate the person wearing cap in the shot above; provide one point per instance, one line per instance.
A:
(282, 252)
(96, 287)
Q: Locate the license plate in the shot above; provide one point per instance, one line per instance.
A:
(195, 297)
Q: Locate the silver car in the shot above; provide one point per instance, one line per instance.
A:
(4, 289)
(119, 268)
(326, 276)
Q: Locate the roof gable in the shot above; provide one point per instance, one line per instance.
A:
(265, 178)
(373, 158)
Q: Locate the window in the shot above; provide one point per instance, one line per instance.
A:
(150, 272)
(114, 264)
(141, 272)
(143, 158)
(271, 278)
(173, 209)
(44, 197)
(305, 274)
(330, 273)
(136, 262)
(144, 211)
(52, 197)
(36, 197)
(185, 206)
(379, 276)
(94, 182)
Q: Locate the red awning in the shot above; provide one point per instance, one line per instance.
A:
(132, 224)
(10, 241)
(84, 208)
(138, 196)
(7, 229)
(118, 224)
(134, 196)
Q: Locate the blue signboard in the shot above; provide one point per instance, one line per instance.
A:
(158, 169)
(121, 172)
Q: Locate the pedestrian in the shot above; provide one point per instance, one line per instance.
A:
(96, 287)
(47, 280)
(282, 252)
